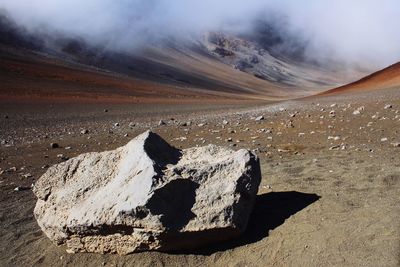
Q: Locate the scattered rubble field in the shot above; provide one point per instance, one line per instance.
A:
(328, 196)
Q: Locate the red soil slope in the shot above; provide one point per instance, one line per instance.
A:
(27, 77)
(386, 78)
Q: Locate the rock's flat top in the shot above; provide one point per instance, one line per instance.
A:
(147, 195)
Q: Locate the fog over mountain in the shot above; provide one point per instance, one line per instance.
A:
(363, 32)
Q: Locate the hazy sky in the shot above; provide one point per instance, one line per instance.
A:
(356, 31)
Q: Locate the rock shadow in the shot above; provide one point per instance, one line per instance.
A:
(270, 211)
(174, 202)
(160, 151)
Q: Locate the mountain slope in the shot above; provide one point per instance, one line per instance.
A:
(383, 79)
(26, 75)
(215, 65)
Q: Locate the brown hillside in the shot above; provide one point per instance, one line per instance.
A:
(386, 78)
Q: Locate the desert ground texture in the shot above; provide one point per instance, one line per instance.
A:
(330, 186)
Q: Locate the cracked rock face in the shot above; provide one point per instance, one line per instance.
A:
(147, 195)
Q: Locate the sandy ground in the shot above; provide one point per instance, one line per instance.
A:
(329, 194)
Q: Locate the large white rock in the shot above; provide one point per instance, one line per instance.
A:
(147, 195)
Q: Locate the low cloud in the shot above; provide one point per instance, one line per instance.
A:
(362, 32)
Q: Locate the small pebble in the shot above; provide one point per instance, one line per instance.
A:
(388, 106)
(21, 188)
(54, 145)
